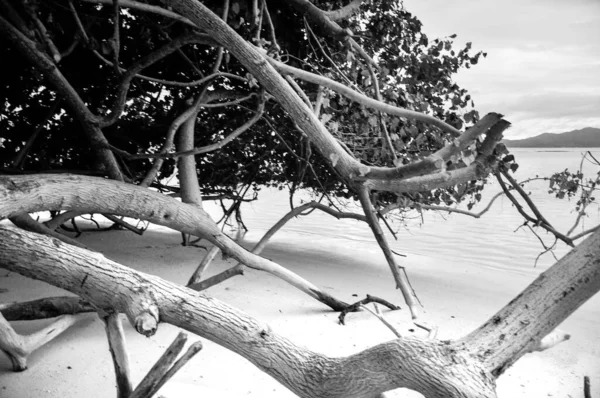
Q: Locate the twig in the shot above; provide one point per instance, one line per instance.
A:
(147, 386)
(361, 98)
(459, 211)
(380, 316)
(527, 217)
(163, 154)
(184, 359)
(117, 220)
(20, 156)
(431, 329)
(216, 279)
(369, 299)
(139, 65)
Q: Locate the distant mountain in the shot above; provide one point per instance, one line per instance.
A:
(588, 137)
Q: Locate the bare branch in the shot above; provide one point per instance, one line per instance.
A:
(459, 211)
(538, 222)
(141, 64)
(98, 195)
(361, 98)
(345, 12)
(380, 316)
(400, 278)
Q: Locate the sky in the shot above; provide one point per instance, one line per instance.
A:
(542, 71)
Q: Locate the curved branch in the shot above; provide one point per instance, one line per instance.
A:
(31, 193)
(196, 284)
(361, 98)
(212, 147)
(460, 211)
(138, 66)
(537, 222)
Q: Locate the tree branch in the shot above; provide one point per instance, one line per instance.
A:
(31, 193)
(361, 98)
(344, 12)
(400, 278)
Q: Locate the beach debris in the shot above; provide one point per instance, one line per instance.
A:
(369, 299)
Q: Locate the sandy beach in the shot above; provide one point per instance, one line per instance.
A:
(457, 297)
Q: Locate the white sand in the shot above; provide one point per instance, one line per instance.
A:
(457, 298)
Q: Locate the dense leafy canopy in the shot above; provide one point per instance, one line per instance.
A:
(412, 71)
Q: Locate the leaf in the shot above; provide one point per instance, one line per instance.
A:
(373, 121)
(235, 8)
(334, 158)
(325, 118)
(508, 158)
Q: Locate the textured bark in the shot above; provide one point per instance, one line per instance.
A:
(31, 193)
(539, 309)
(434, 368)
(464, 368)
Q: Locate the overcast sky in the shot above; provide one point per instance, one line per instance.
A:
(543, 65)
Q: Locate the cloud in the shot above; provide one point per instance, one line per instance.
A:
(543, 64)
(532, 127)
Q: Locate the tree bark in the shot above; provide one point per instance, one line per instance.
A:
(430, 367)
(465, 368)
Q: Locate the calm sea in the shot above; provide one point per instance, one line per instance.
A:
(494, 240)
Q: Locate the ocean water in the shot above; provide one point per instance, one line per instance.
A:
(494, 240)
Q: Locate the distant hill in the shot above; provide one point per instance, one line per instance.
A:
(588, 137)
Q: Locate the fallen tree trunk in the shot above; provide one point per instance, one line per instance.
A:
(434, 368)
(114, 287)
